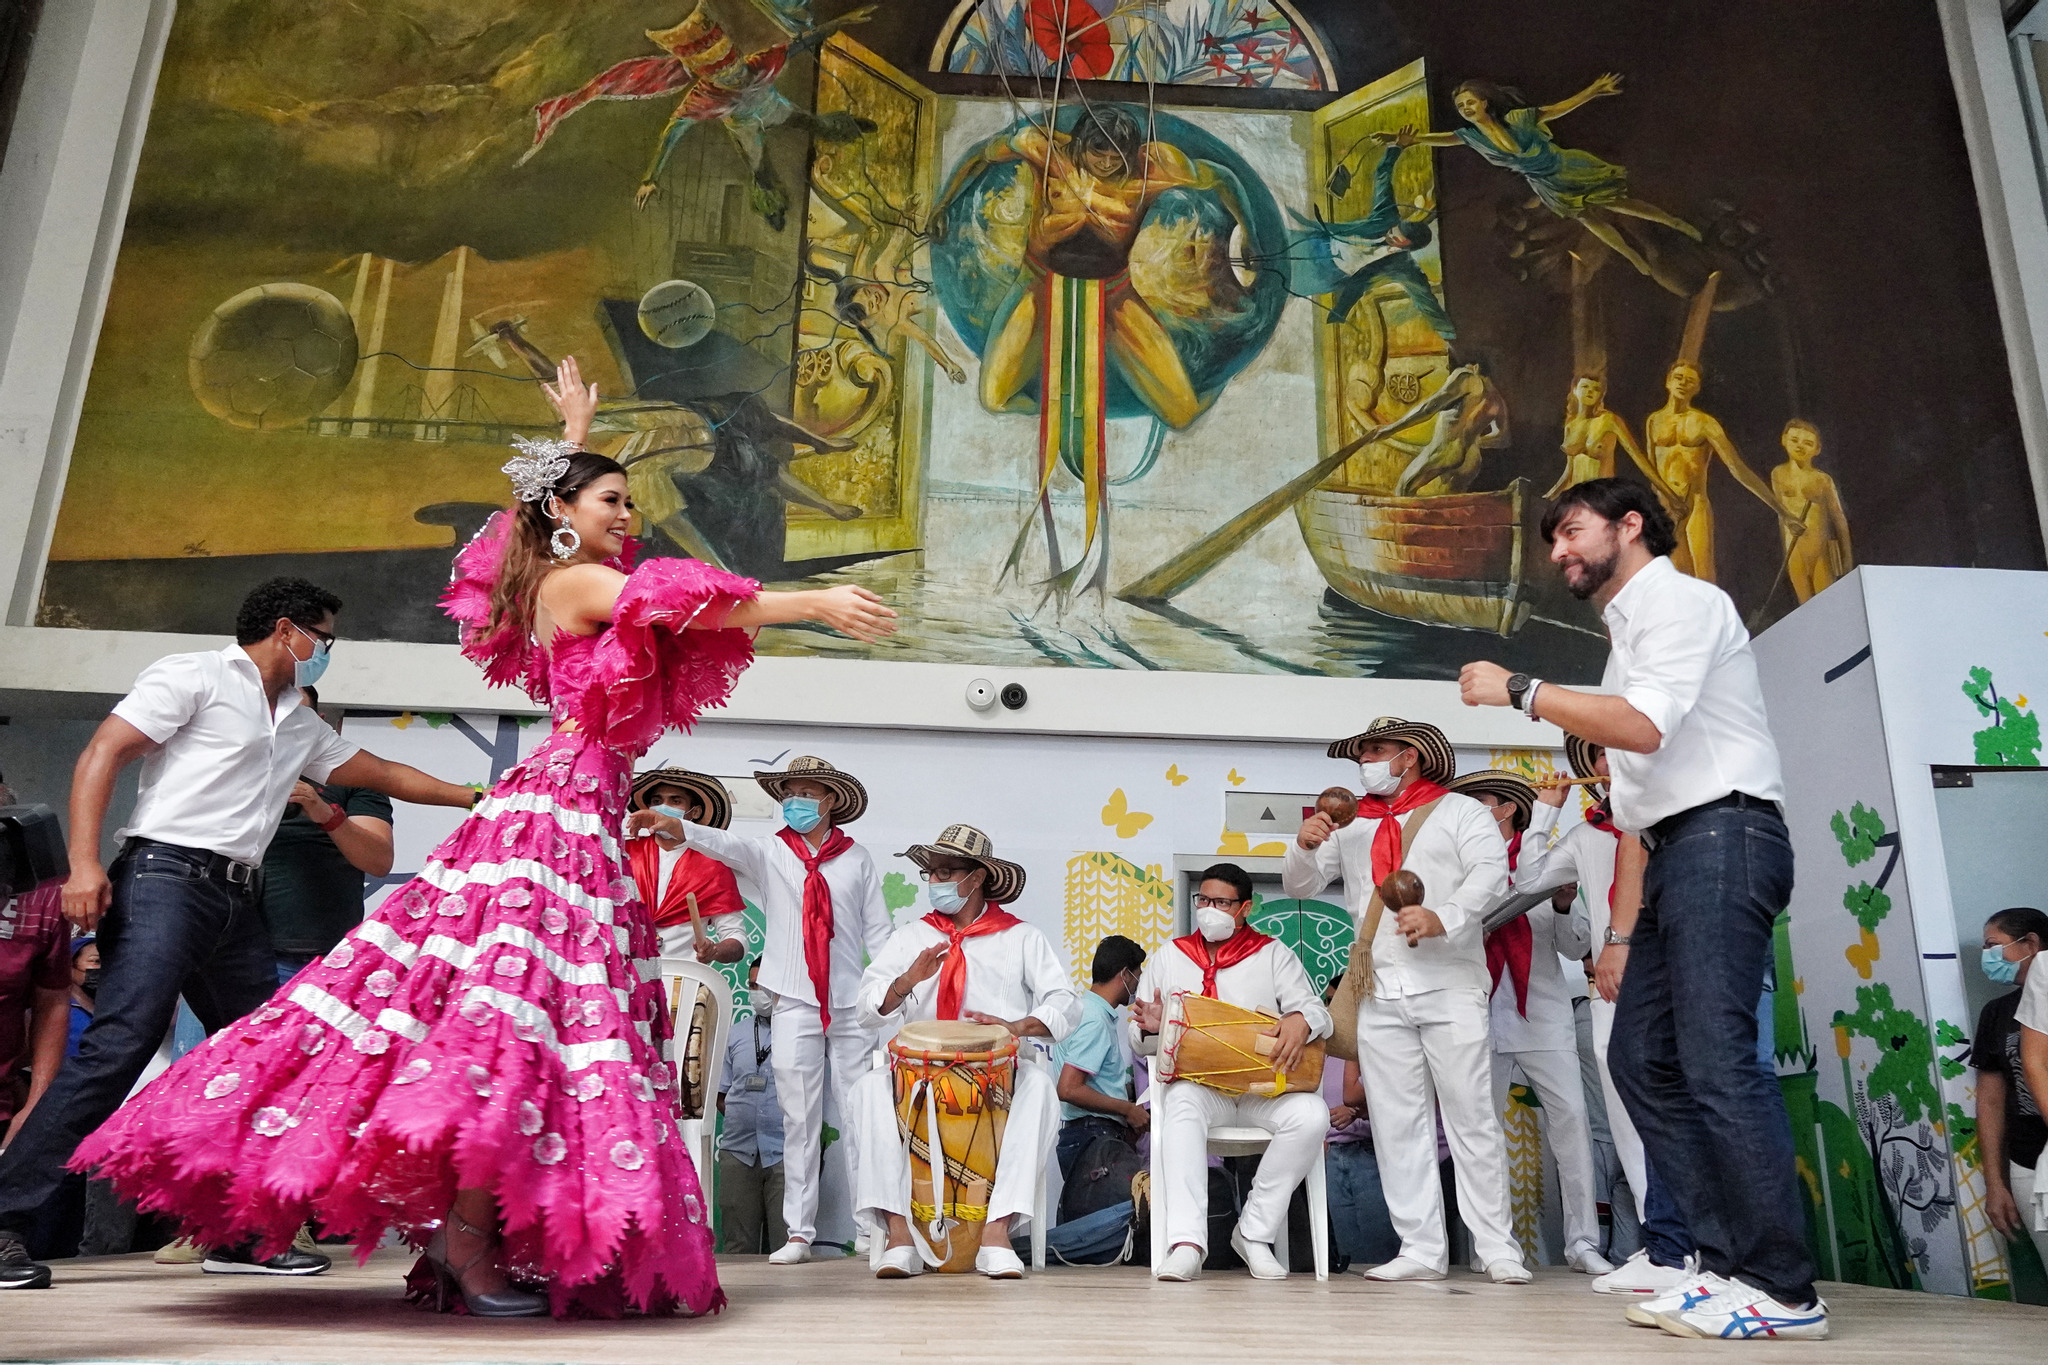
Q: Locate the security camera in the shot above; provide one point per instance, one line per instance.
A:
(981, 694)
(1014, 696)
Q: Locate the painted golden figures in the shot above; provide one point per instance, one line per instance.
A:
(1684, 443)
(1818, 552)
(1591, 432)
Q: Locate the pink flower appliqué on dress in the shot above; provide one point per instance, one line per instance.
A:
(355, 1094)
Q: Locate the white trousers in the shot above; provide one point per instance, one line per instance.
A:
(805, 1057)
(1628, 1145)
(1297, 1122)
(1561, 1089)
(1417, 1054)
(881, 1184)
(2024, 1180)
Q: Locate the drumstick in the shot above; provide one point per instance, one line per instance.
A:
(696, 919)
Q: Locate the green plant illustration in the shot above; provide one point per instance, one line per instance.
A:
(1858, 833)
(898, 892)
(2013, 739)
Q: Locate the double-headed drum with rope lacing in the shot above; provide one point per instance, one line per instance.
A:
(953, 1081)
(1225, 1047)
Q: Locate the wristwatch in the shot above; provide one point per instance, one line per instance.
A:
(1612, 937)
(335, 821)
(1518, 687)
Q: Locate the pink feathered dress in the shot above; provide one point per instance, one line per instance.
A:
(497, 1023)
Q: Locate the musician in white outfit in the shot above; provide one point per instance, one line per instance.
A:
(1423, 1032)
(968, 959)
(1531, 1013)
(1226, 959)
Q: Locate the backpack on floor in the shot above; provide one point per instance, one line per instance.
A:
(1101, 1177)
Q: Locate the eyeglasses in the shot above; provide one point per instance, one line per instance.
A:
(1216, 902)
(945, 874)
(321, 639)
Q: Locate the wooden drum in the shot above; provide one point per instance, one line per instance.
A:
(953, 1082)
(1226, 1048)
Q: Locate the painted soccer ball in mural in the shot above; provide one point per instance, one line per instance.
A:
(273, 356)
(677, 313)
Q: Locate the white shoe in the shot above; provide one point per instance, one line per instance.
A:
(1587, 1261)
(900, 1263)
(861, 1244)
(1403, 1268)
(1694, 1289)
(1742, 1312)
(1258, 1257)
(793, 1252)
(1507, 1272)
(1638, 1275)
(1183, 1264)
(999, 1263)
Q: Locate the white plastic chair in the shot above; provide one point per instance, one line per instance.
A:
(680, 979)
(1232, 1140)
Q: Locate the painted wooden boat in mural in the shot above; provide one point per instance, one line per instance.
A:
(1451, 560)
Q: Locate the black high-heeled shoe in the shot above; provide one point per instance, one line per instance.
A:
(448, 1286)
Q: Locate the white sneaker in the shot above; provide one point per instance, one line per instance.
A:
(1587, 1261)
(1507, 1272)
(793, 1252)
(1183, 1264)
(1403, 1268)
(1742, 1312)
(1258, 1257)
(899, 1263)
(1639, 1275)
(1694, 1289)
(999, 1263)
(861, 1244)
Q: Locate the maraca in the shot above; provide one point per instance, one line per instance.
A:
(1340, 805)
(1400, 890)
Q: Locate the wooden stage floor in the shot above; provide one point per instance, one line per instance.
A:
(128, 1308)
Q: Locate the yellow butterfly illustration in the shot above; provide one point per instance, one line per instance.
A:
(1119, 816)
(1236, 778)
(1234, 843)
(1863, 954)
(1175, 775)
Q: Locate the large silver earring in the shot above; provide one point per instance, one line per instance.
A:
(564, 543)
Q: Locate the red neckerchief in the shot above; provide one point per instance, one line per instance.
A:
(1214, 957)
(1512, 946)
(1386, 840)
(817, 910)
(993, 919)
(1599, 819)
(717, 892)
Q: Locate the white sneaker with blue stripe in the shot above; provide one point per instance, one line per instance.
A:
(1696, 1288)
(1741, 1312)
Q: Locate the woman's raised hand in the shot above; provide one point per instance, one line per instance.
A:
(573, 399)
(853, 610)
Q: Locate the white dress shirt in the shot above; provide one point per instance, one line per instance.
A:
(1010, 973)
(225, 762)
(1528, 870)
(1680, 655)
(1463, 863)
(1271, 981)
(1548, 1025)
(860, 919)
(2032, 1010)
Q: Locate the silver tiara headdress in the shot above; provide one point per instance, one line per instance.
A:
(537, 467)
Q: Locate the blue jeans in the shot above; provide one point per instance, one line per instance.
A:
(1685, 1049)
(1358, 1205)
(290, 965)
(172, 928)
(1076, 1134)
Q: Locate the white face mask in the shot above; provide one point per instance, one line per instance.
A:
(1379, 779)
(1213, 924)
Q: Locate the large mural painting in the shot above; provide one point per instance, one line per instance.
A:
(1196, 335)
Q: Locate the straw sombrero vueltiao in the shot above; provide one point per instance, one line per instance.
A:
(1005, 879)
(850, 797)
(708, 791)
(1439, 764)
(1580, 753)
(1512, 788)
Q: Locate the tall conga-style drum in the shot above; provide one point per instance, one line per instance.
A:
(953, 1082)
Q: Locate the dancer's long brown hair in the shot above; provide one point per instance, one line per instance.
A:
(527, 560)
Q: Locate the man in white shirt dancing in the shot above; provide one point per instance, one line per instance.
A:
(967, 959)
(1696, 777)
(223, 736)
(1423, 1030)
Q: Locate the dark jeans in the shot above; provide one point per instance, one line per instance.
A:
(290, 965)
(1684, 1050)
(1076, 1134)
(172, 929)
(1358, 1204)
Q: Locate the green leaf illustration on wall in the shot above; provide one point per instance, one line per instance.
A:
(1905, 1047)
(2013, 739)
(1858, 833)
(897, 892)
(1868, 904)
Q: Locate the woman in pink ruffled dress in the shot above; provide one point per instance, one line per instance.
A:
(485, 1064)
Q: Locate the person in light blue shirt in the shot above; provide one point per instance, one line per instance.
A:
(1094, 1072)
(750, 1140)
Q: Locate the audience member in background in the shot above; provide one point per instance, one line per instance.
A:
(223, 737)
(330, 839)
(667, 877)
(1094, 1074)
(1358, 1205)
(750, 1142)
(2011, 1132)
(2032, 1015)
(85, 985)
(35, 997)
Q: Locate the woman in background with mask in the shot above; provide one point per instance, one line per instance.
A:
(85, 984)
(823, 918)
(2010, 1129)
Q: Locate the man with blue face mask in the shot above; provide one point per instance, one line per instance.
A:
(823, 918)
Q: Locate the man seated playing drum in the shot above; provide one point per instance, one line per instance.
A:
(1226, 959)
(967, 960)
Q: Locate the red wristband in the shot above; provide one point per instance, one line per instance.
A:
(336, 821)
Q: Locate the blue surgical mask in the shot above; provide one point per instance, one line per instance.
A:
(946, 897)
(1999, 967)
(306, 672)
(800, 813)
